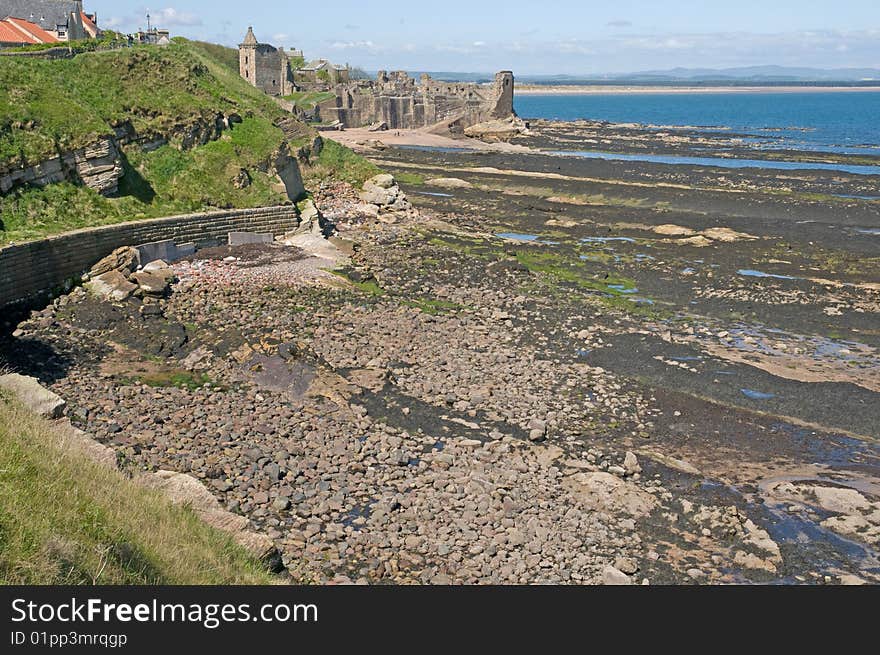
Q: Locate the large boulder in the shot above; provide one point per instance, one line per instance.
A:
(152, 284)
(112, 285)
(32, 395)
(185, 490)
(310, 219)
(123, 259)
(500, 129)
(383, 193)
(604, 492)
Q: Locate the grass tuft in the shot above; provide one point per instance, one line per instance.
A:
(66, 520)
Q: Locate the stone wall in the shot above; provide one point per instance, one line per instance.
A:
(30, 269)
(401, 103)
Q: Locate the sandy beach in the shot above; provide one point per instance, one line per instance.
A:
(358, 138)
(534, 89)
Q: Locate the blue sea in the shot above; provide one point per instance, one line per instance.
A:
(840, 122)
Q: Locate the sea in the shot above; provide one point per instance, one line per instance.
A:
(845, 122)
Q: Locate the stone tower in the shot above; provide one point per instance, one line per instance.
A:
(247, 57)
(264, 66)
(502, 91)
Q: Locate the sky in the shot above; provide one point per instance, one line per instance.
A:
(532, 38)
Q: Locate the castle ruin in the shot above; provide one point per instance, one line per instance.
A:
(264, 66)
(394, 99)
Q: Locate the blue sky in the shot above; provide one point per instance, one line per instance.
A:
(583, 38)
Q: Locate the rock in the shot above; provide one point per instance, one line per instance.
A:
(182, 489)
(753, 562)
(281, 504)
(241, 180)
(614, 576)
(671, 462)
(198, 360)
(83, 443)
(502, 129)
(310, 219)
(32, 395)
(627, 565)
(151, 283)
(536, 435)
(124, 259)
(604, 492)
(449, 183)
(670, 229)
(631, 464)
(111, 286)
(695, 574)
(383, 192)
(160, 268)
(840, 500)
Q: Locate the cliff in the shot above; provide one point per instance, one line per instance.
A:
(137, 132)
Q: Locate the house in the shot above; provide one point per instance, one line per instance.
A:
(153, 36)
(64, 20)
(321, 70)
(16, 32)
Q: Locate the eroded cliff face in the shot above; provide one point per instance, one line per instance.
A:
(99, 165)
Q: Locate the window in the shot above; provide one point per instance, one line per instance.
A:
(247, 74)
(246, 60)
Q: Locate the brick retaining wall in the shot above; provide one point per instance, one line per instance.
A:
(28, 269)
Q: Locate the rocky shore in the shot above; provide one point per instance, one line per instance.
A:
(465, 391)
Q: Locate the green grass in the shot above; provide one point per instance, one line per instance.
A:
(47, 107)
(66, 520)
(338, 162)
(369, 287)
(180, 379)
(433, 306)
(60, 105)
(308, 100)
(228, 57)
(160, 183)
(413, 179)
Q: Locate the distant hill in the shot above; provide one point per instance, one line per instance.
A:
(758, 75)
(743, 75)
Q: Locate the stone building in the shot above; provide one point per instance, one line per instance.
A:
(320, 72)
(395, 99)
(265, 66)
(401, 102)
(65, 20)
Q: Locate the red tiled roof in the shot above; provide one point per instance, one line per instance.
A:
(88, 23)
(9, 34)
(25, 31)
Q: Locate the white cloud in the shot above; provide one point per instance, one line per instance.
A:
(171, 17)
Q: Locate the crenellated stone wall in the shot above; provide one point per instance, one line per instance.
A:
(400, 102)
(30, 269)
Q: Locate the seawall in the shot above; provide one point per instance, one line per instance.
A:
(31, 269)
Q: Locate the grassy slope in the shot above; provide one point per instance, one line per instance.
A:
(47, 106)
(64, 519)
